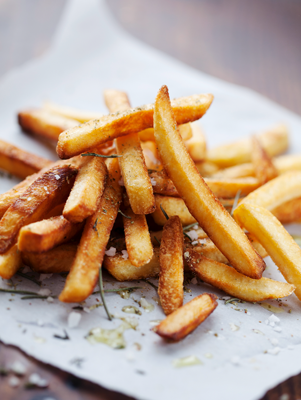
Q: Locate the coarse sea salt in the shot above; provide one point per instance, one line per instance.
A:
(14, 381)
(153, 181)
(274, 341)
(202, 241)
(111, 252)
(125, 255)
(274, 351)
(18, 368)
(36, 380)
(192, 234)
(57, 177)
(44, 292)
(73, 319)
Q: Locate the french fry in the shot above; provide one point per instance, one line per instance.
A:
(274, 141)
(263, 165)
(288, 162)
(162, 184)
(44, 123)
(10, 262)
(185, 131)
(173, 206)
(206, 168)
(89, 257)
(288, 212)
(187, 318)
(279, 244)
(71, 113)
(205, 208)
(80, 139)
(137, 237)
(19, 162)
(47, 191)
(276, 192)
(57, 260)
(87, 190)
(234, 172)
(196, 146)
(123, 270)
(151, 155)
(44, 235)
(171, 277)
(235, 284)
(132, 164)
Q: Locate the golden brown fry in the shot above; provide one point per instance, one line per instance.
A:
(185, 131)
(19, 162)
(137, 237)
(57, 260)
(171, 277)
(151, 155)
(79, 139)
(132, 164)
(279, 244)
(288, 212)
(208, 211)
(288, 162)
(44, 123)
(206, 168)
(274, 141)
(263, 165)
(89, 257)
(10, 262)
(47, 191)
(196, 146)
(235, 284)
(46, 234)
(162, 184)
(276, 192)
(87, 190)
(71, 113)
(173, 206)
(187, 318)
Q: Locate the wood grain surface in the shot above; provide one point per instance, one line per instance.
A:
(252, 43)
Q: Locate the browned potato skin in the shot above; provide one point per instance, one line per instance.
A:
(19, 162)
(163, 184)
(232, 282)
(264, 168)
(44, 123)
(10, 262)
(35, 202)
(187, 318)
(171, 276)
(87, 190)
(80, 139)
(202, 204)
(288, 212)
(44, 235)
(90, 253)
(57, 260)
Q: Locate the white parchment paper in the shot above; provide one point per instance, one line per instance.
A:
(91, 53)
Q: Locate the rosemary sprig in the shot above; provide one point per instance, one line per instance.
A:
(18, 292)
(150, 283)
(185, 234)
(29, 278)
(66, 337)
(235, 201)
(157, 240)
(34, 297)
(231, 300)
(102, 295)
(95, 226)
(119, 289)
(126, 216)
(100, 155)
(164, 212)
(189, 226)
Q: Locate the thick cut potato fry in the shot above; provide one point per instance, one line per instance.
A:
(232, 282)
(80, 139)
(237, 171)
(123, 270)
(19, 162)
(205, 208)
(44, 123)
(276, 192)
(187, 318)
(279, 244)
(10, 262)
(171, 277)
(151, 155)
(185, 131)
(57, 260)
(46, 192)
(288, 162)
(46, 234)
(196, 146)
(288, 212)
(132, 164)
(137, 237)
(162, 184)
(274, 141)
(89, 257)
(263, 165)
(71, 113)
(206, 168)
(87, 190)
(173, 206)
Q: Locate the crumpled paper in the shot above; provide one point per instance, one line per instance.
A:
(244, 349)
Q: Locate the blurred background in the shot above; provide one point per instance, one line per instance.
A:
(251, 43)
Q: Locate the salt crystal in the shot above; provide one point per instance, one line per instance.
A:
(186, 254)
(278, 329)
(57, 177)
(192, 234)
(274, 351)
(274, 341)
(125, 255)
(284, 396)
(272, 324)
(36, 380)
(14, 381)
(18, 368)
(195, 227)
(153, 181)
(87, 310)
(50, 299)
(234, 327)
(45, 276)
(273, 318)
(111, 252)
(202, 241)
(44, 292)
(29, 198)
(194, 242)
(130, 356)
(248, 313)
(73, 319)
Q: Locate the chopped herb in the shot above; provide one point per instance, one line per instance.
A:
(95, 226)
(78, 307)
(164, 212)
(231, 300)
(235, 201)
(189, 226)
(129, 289)
(157, 240)
(66, 337)
(126, 216)
(102, 294)
(100, 155)
(185, 234)
(29, 278)
(35, 297)
(18, 291)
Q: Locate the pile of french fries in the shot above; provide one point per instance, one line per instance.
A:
(121, 177)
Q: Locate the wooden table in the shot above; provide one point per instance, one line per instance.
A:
(252, 43)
